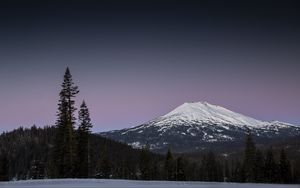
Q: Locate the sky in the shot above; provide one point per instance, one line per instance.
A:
(136, 60)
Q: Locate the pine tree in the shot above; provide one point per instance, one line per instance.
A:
(83, 133)
(226, 172)
(4, 168)
(284, 168)
(169, 167)
(238, 174)
(249, 160)
(180, 170)
(155, 175)
(64, 146)
(105, 165)
(270, 168)
(295, 166)
(37, 170)
(105, 168)
(259, 167)
(211, 172)
(145, 163)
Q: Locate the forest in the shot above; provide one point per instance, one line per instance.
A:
(69, 149)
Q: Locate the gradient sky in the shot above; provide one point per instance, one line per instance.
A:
(136, 60)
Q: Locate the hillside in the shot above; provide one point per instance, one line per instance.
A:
(28, 149)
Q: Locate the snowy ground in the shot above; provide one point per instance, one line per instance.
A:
(85, 183)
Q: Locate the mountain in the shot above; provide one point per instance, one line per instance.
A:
(199, 126)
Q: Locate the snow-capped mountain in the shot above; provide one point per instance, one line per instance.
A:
(199, 125)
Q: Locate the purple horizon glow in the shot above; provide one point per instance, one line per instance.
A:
(136, 61)
(129, 100)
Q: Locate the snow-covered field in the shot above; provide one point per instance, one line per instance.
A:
(85, 183)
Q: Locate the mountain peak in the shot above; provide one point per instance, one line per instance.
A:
(206, 112)
(195, 103)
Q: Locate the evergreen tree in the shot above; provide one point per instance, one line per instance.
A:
(3, 168)
(169, 166)
(145, 163)
(284, 168)
(249, 160)
(270, 168)
(211, 170)
(238, 173)
(259, 167)
(64, 146)
(105, 167)
(296, 171)
(83, 133)
(155, 174)
(37, 170)
(226, 172)
(180, 170)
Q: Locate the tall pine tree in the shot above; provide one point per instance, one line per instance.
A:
(83, 133)
(169, 166)
(238, 174)
(249, 160)
(3, 167)
(210, 167)
(105, 165)
(64, 146)
(259, 167)
(284, 168)
(180, 169)
(145, 163)
(270, 168)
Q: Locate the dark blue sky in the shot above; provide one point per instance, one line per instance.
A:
(135, 60)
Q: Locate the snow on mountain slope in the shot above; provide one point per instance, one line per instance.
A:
(190, 126)
(208, 113)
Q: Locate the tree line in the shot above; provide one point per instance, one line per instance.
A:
(64, 151)
(255, 166)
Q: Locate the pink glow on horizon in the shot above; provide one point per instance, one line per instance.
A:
(125, 105)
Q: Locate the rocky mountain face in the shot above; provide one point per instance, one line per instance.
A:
(198, 126)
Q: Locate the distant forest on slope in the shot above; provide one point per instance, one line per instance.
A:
(69, 150)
